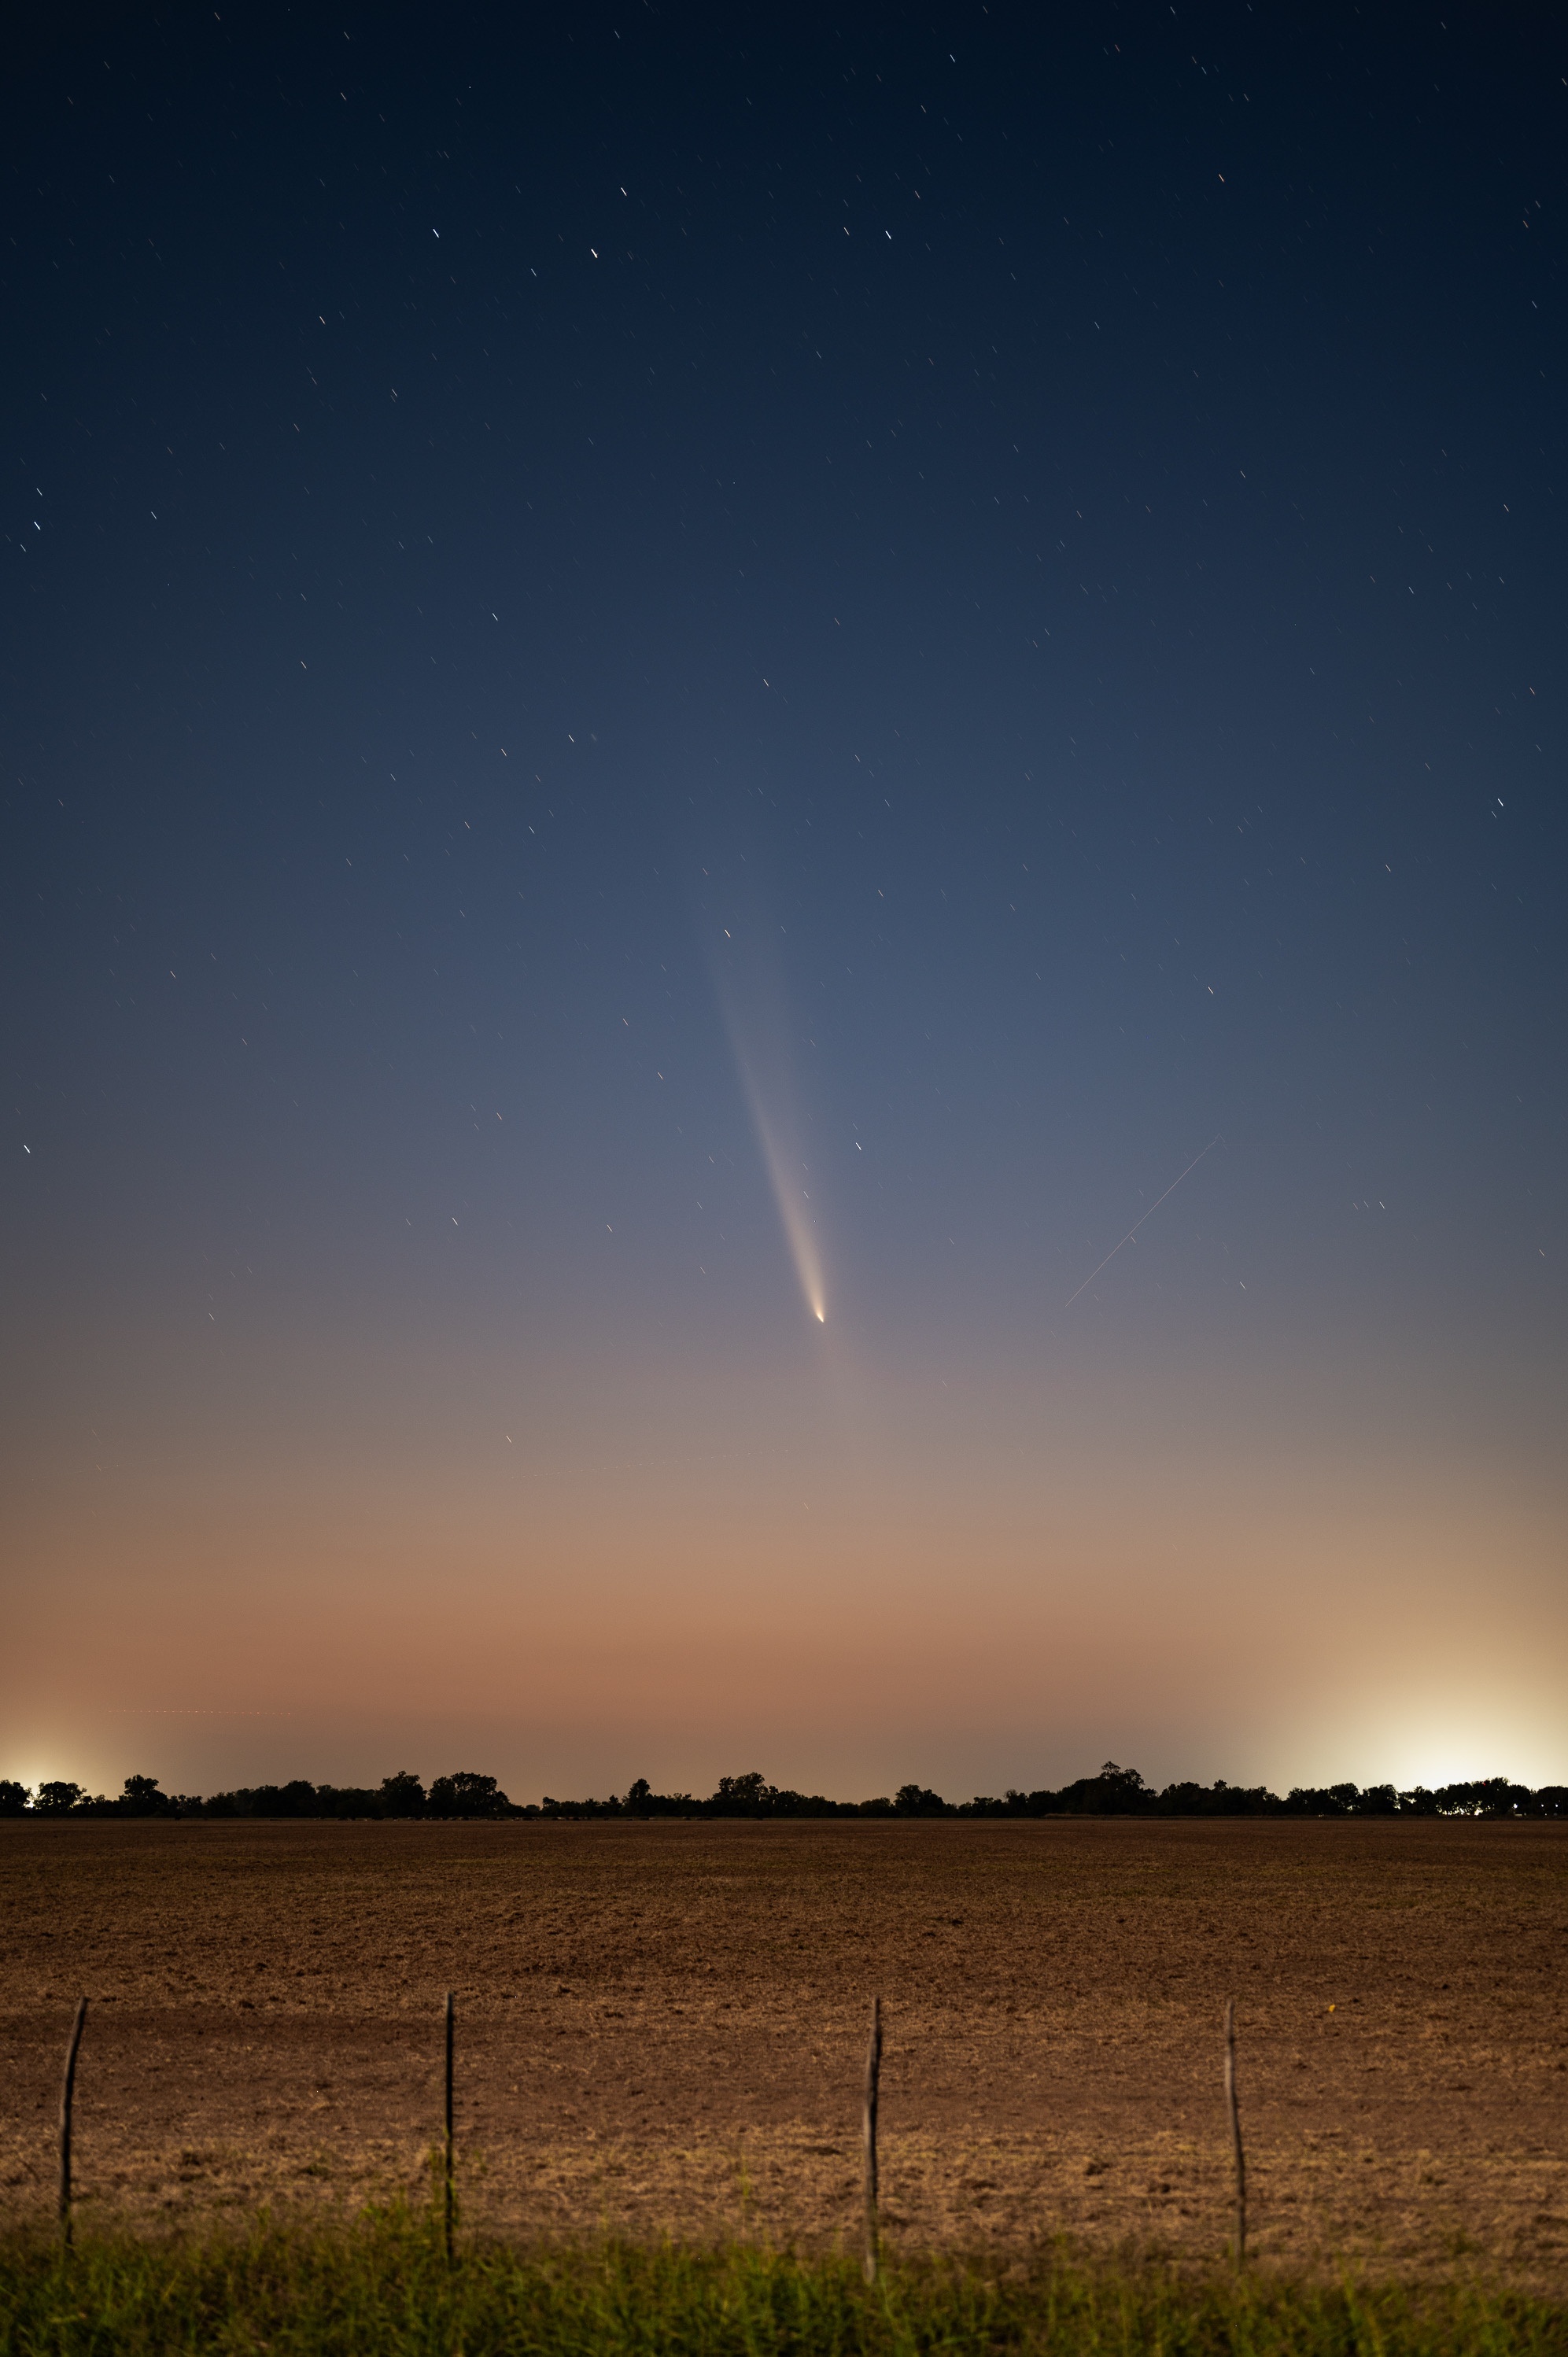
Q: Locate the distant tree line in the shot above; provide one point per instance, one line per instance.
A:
(462, 1794)
(1114, 1792)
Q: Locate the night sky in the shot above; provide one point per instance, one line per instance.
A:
(663, 672)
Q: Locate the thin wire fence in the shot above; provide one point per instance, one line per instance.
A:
(870, 2113)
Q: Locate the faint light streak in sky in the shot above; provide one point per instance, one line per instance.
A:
(1137, 1223)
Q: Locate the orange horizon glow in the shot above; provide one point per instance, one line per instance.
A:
(848, 1586)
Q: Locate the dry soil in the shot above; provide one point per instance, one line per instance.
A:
(663, 2027)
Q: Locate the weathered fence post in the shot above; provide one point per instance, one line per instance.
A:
(447, 2171)
(1237, 2154)
(873, 2076)
(67, 2100)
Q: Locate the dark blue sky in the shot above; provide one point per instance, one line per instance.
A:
(977, 595)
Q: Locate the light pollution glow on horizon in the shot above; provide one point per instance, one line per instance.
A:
(849, 1583)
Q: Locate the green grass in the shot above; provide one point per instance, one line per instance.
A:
(381, 2284)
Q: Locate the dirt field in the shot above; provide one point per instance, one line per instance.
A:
(663, 2027)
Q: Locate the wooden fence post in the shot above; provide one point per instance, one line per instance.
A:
(1237, 2154)
(873, 2077)
(446, 2172)
(66, 2101)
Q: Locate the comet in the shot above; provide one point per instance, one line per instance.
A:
(750, 987)
(1137, 1223)
(785, 1174)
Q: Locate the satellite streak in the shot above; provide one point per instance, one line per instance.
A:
(1133, 1231)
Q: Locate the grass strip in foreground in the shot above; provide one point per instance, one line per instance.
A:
(382, 2285)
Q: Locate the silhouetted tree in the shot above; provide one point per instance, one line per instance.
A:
(1486, 1796)
(743, 1796)
(142, 1798)
(468, 1795)
(402, 1795)
(1114, 1792)
(1322, 1801)
(916, 1801)
(56, 1799)
(348, 1801)
(13, 1797)
(294, 1799)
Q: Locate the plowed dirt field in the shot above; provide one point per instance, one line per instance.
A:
(663, 2027)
